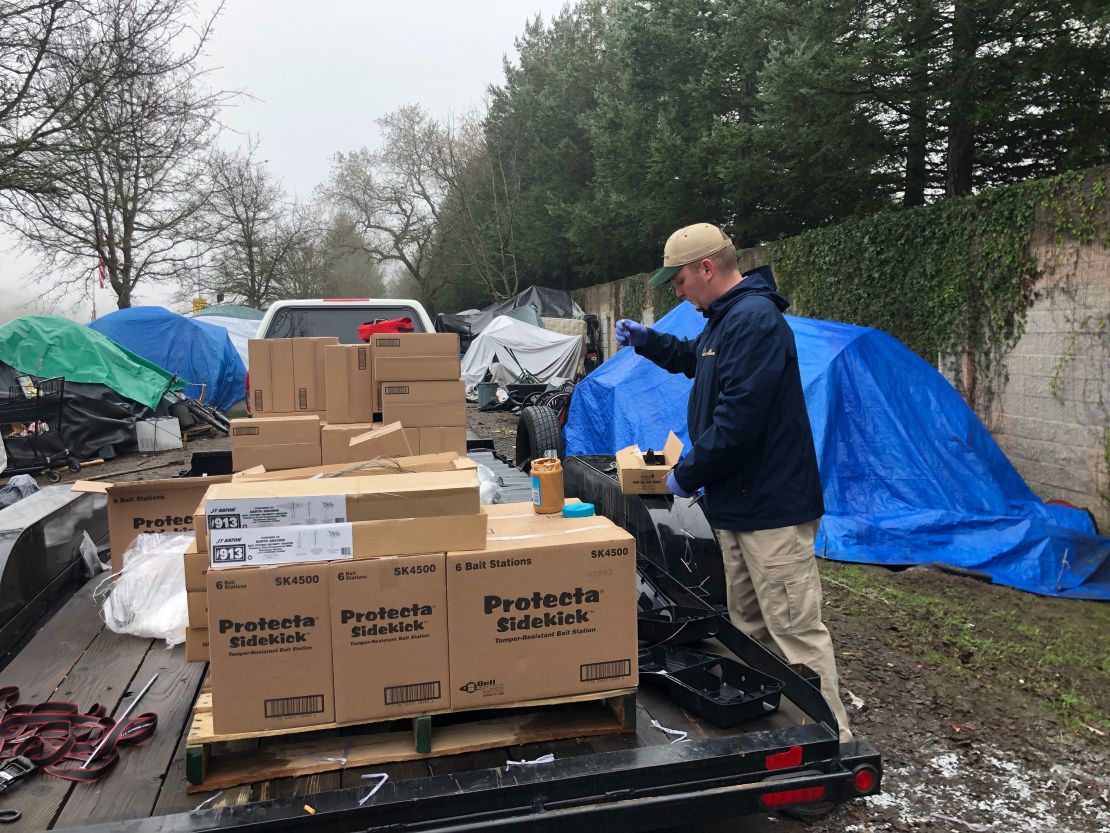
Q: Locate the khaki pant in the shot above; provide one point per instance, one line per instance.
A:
(774, 596)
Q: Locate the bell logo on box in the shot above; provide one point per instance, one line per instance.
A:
(475, 686)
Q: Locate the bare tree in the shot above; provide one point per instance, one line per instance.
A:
(52, 74)
(426, 183)
(255, 231)
(129, 201)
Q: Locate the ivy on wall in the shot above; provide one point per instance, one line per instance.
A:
(951, 280)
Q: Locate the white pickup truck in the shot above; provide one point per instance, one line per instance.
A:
(339, 317)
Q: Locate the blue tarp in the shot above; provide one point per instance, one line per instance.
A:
(910, 474)
(197, 352)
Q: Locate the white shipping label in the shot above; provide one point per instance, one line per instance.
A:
(280, 545)
(253, 513)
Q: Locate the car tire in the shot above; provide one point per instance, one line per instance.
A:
(537, 432)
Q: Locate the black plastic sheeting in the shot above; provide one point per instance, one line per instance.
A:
(549, 303)
(92, 416)
(670, 532)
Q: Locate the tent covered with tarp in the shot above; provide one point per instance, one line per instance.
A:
(545, 302)
(241, 323)
(513, 348)
(106, 386)
(910, 473)
(201, 354)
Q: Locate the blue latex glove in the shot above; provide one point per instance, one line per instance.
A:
(630, 332)
(675, 489)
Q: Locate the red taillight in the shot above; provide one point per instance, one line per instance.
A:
(792, 757)
(247, 395)
(864, 779)
(784, 798)
(346, 300)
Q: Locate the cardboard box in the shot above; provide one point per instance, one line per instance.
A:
(415, 344)
(258, 357)
(304, 374)
(444, 461)
(148, 506)
(196, 569)
(638, 478)
(335, 440)
(416, 369)
(443, 439)
(412, 435)
(281, 374)
(293, 456)
(382, 441)
(197, 603)
(349, 373)
(319, 344)
(271, 430)
(201, 527)
(270, 648)
(407, 393)
(253, 505)
(319, 414)
(389, 637)
(232, 548)
(426, 416)
(196, 644)
(560, 589)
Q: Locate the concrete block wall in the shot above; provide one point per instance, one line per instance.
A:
(1051, 414)
(1051, 411)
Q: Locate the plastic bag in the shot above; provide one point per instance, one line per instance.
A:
(489, 486)
(19, 487)
(89, 555)
(147, 597)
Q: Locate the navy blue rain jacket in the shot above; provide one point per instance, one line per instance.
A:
(752, 442)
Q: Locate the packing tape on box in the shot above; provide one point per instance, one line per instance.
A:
(545, 534)
(549, 758)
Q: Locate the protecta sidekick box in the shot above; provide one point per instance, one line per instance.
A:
(389, 637)
(416, 369)
(382, 441)
(148, 506)
(638, 478)
(250, 505)
(269, 644)
(548, 609)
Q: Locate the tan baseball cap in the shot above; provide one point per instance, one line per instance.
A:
(687, 245)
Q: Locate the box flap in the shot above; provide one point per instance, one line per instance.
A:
(96, 486)
(672, 451)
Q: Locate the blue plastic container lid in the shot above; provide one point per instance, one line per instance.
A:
(578, 510)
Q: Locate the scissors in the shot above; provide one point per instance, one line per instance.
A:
(10, 816)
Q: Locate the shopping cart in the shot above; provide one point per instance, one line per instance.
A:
(33, 428)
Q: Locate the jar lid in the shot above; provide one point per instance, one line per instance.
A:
(578, 510)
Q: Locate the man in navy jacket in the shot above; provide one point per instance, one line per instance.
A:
(752, 451)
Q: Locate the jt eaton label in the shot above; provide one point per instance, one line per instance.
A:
(280, 545)
(254, 513)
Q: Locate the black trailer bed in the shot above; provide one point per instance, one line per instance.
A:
(638, 780)
(74, 658)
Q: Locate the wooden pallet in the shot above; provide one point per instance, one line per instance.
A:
(210, 763)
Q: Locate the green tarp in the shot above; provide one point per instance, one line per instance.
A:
(47, 346)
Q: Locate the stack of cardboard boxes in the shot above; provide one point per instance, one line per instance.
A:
(371, 596)
(409, 380)
(416, 379)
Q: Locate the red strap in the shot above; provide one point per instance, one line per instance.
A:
(58, 738)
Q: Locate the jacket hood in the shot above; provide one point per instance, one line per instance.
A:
(759, 281)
